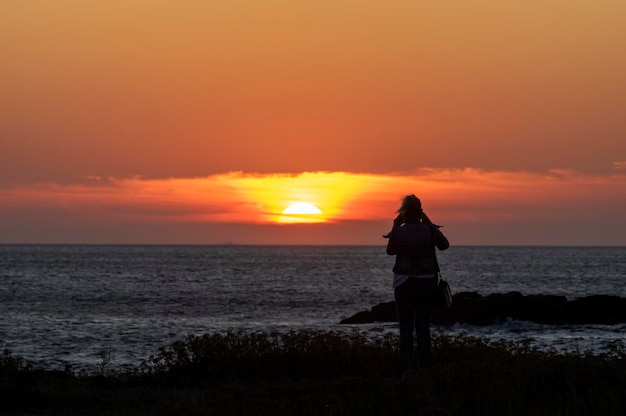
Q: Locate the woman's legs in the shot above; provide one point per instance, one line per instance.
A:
(414, 305)
(405, 297)
(423, 316)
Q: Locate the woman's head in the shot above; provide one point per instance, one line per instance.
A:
(411, 207)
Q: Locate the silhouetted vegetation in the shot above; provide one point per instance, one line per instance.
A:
(305, 373)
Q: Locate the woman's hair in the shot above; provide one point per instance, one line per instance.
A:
(411, 207)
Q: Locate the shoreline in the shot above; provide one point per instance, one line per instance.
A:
(564, 339)
(330, 373)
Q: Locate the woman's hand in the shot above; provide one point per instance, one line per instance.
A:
(398, 220)
(396, 223)
(427, 220)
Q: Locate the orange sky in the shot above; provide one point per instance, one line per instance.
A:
(204, 120)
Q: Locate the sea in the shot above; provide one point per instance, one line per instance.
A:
(73, 306)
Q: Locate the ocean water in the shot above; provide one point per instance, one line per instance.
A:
(67, 305)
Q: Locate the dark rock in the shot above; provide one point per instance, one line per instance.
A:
(475, 309)
(507, 305)
(543, 309)
(363, 317)
(471, 310)
(597, 309)
(385, 312)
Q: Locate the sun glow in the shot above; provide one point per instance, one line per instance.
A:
(301, 212)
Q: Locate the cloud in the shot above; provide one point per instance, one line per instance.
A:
(450, 196)
(619, 165)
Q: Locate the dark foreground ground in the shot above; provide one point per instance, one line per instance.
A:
(325, 374)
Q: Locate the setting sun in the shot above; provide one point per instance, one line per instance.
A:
(302, 208)
(301, 212)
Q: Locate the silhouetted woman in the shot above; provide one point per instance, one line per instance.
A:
(413, 240)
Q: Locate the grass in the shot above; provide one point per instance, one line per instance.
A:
(305, 373)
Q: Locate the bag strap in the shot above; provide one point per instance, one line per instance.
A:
(432, 237)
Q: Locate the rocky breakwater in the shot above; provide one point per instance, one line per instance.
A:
(475, 309)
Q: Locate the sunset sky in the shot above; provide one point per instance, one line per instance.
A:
(202, 121)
